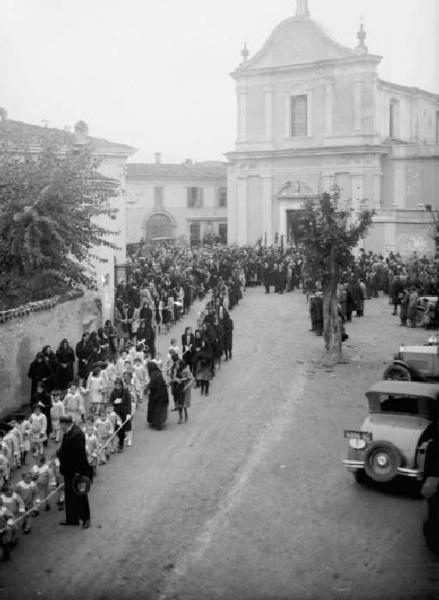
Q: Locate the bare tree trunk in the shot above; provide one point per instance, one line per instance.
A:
(331, 319)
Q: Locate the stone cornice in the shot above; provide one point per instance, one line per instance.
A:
(300, 152)
(242, 73)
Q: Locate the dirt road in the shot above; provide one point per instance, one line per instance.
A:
(248, 499)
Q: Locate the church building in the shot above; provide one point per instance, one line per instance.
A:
(314, 116)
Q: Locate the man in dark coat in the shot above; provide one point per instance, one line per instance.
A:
(73, 461)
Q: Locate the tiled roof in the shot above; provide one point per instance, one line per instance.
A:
(29, 134)
(197, 170)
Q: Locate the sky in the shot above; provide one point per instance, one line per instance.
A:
(156, 74)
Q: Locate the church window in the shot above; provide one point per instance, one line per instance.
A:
(194, 197)
(299, 115)
(222, 197)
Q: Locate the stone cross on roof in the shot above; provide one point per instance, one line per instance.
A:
(302, 9)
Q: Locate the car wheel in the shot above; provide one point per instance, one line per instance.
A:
(360, 476)
(397, 373)
(381, 461)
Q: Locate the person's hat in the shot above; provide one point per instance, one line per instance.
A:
(66, 419)
(81, 485)
(40, 404)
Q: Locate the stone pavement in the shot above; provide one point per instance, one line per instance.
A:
(249, 500)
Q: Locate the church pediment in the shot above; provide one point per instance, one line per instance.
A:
(296, 41)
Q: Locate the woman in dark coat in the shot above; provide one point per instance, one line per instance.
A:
(50, 359)
(65, 357)
(217, 344)
(227, 328)
(84, 352)
(103, 352)
(158, 399)
(39, 370)
(196, 346)
(204, 370)
(187, 343)
(112, 336)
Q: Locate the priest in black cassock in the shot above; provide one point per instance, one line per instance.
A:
(73, 461)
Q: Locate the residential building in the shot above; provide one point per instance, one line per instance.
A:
(314, 116)
(185, 202)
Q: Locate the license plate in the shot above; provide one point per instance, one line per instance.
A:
(351, 434)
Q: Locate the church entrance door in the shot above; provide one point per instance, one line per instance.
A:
(295, 226)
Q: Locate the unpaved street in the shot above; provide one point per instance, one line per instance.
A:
(249, 500)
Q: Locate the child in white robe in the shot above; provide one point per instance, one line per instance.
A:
(95, 389)
(28, 492)
(57, 411)
(38, 423)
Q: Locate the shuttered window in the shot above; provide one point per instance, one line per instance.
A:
(194, 197)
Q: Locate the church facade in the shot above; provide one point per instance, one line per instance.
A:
(314, 116)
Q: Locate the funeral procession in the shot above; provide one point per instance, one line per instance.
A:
(219, 312)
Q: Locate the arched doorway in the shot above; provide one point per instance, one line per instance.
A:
(159, 226)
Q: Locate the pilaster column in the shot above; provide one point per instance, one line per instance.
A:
(357, 191)
(267, 210)
(377, 180)
(329, 108)
(242, 115)
(399, 188)
(357, 105)
(268, 109)
(242, 211)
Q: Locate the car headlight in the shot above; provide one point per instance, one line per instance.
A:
(357, 444)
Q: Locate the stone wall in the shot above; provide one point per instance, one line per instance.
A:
(24, 333)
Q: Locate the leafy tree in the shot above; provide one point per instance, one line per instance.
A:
(329, 236)
(51, 204)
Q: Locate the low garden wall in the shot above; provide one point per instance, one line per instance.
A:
(26, 329)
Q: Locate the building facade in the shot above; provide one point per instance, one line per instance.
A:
(184, 202)
(314, 116)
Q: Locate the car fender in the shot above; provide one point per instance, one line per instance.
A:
(403, 431)
(416, 375)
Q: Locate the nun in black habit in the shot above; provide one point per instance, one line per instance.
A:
(158, 398)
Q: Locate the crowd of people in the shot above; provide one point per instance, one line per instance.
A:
(411, 283)
(98, 383)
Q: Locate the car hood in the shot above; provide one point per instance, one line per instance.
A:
(403, 431)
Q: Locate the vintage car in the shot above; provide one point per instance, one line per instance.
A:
(414, 363)
(394, 437)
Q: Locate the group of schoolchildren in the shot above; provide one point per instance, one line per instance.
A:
(89, 403)
(93, 402)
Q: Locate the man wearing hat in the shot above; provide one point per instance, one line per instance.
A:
(73, 462)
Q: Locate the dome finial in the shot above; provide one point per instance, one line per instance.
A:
(302, 9)
(361, 35)
(245, 52)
